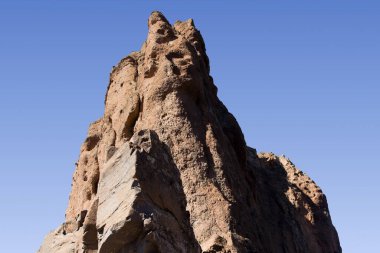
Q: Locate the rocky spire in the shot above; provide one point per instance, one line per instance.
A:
(166, 169)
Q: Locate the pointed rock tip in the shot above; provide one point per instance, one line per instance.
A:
(182, 26)
(189, 22)
(155, 17)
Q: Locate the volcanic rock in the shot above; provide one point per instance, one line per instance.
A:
(167, 169)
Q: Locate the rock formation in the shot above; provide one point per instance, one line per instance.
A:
(167, 169)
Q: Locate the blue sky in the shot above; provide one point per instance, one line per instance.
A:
(301, 77)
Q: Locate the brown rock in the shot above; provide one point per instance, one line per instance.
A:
(166, 169)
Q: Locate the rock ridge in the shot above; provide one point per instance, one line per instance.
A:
(167, 169)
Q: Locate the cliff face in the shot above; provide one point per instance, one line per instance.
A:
(166, 169)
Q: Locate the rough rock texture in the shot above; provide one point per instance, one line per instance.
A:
(166, 169)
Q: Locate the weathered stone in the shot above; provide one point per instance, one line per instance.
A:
(166, 169)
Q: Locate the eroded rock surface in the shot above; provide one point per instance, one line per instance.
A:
(166, 169)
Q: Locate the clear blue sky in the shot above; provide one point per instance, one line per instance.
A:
(301, 77)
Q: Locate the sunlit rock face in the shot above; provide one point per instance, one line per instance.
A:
(167, 169)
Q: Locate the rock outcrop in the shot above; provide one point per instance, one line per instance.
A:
(167, 169)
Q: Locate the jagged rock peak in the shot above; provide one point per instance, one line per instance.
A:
(167, 169)
(155, 17)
